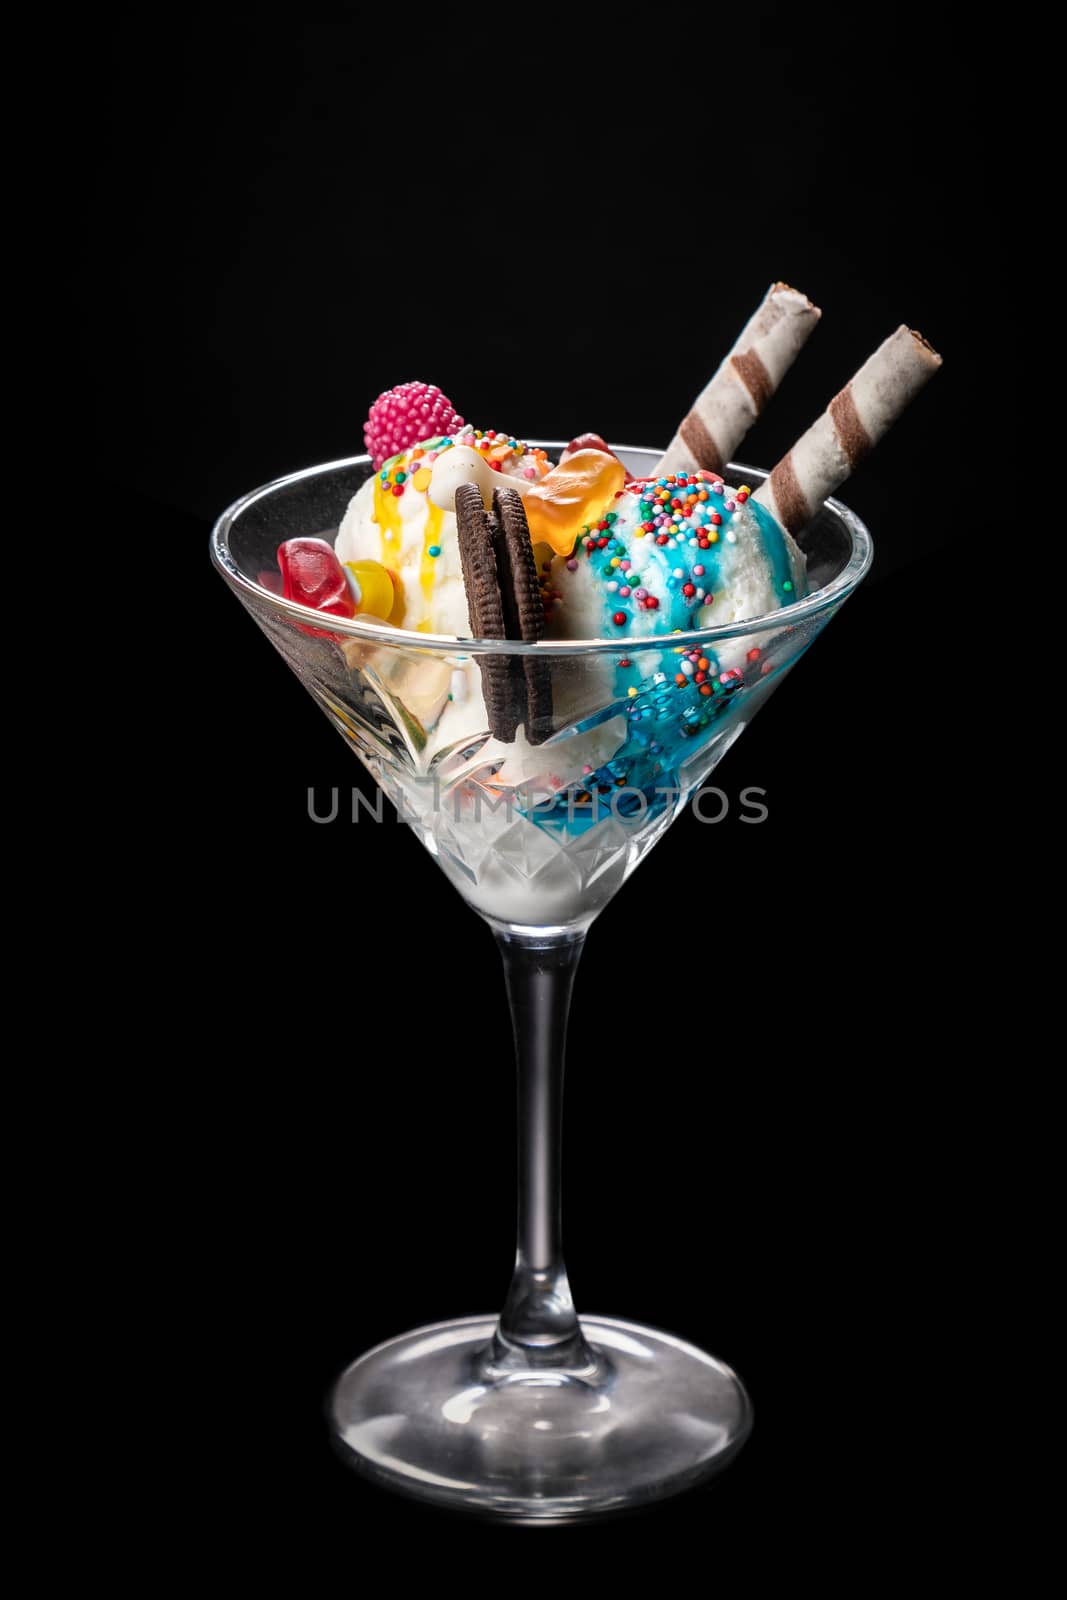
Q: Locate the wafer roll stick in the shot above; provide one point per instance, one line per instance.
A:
(723, 412)
(852, 424)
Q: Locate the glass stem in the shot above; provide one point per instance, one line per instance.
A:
(538, 1326)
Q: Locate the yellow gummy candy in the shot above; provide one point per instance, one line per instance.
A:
(572, 496)
(377, 592)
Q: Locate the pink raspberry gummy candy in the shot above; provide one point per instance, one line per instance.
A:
(404, 416)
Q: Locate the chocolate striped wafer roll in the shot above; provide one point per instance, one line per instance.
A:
(852, 424)
(723, 412)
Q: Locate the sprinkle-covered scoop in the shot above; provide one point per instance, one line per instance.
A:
(403, 520)
(678, 552)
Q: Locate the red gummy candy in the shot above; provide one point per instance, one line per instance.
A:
(313, 576)
(588, 441)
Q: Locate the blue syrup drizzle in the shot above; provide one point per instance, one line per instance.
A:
(668, 722)
(661, 572)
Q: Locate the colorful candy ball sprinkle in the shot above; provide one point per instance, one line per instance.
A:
(404, 415)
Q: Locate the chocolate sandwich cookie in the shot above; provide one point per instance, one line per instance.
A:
(485, 605)
(524, 612)
(504, 601)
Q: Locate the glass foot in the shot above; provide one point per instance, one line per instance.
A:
(427, 1414)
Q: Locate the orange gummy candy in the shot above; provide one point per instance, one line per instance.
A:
(571, 496)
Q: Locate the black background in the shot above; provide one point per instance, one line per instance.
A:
(564, 225)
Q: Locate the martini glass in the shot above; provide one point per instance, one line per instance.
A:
(535, 1415)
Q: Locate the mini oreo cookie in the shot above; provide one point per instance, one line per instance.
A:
(524, 612)
(485, 605)
(504, 601)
